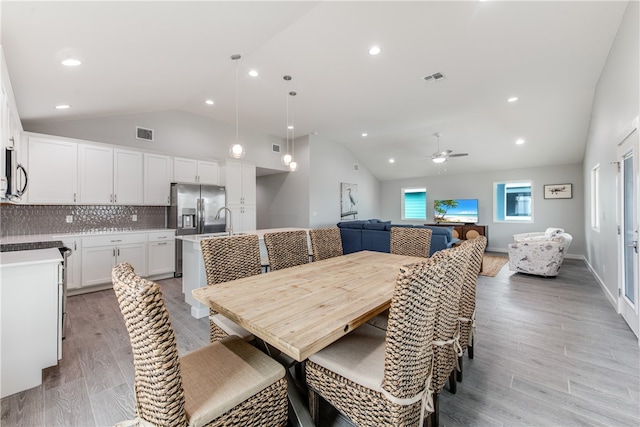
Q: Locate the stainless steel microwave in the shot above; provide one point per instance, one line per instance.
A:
(16, 178)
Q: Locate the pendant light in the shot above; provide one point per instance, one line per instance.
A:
(286, 158)
(293, 166)
(236, 150)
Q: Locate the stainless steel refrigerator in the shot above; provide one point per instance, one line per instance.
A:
(192, 211)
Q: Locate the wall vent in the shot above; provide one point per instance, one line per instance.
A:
(275, 148)
(434, 77)
(144, 134)
(356, 167)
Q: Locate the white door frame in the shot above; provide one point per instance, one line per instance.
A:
(629, 309)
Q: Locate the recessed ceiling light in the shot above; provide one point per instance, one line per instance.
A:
(253, 73)
(365, 134)
(62, 107)
(374, 50)
(209, 102)
(392, 160)
(71, 62)
(520, 141)
(512, 99)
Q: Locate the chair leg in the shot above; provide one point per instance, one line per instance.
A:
(314, 405)
(459, 371)
(453, 383)
(470, 349)
(435, 415)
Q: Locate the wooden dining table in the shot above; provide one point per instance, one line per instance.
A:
(300, 310)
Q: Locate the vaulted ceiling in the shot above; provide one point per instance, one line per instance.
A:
(154, 56)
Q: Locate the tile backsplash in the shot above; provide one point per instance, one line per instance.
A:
(18, 220)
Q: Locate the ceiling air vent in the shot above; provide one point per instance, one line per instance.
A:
(356, 167)
(144, 134)
(275, 148)
(434, 77)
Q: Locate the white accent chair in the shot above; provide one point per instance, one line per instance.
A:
(539, 253)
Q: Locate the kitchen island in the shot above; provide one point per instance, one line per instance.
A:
(193, 272)
(31, 313)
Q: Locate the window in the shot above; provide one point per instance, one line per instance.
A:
(414, 203)
(513, 201)
(595, 198)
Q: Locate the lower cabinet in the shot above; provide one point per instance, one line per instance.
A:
(101, 253)
(161, 253)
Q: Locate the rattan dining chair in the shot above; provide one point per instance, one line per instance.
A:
(467, 311)
(225, 383)
(226, 259)
(325, 243)
(446, 340)
(286, 249)
(377, 377)
(410, 241)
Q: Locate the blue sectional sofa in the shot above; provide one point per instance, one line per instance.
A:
(375, 235)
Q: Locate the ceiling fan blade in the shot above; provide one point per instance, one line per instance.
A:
(458, 154)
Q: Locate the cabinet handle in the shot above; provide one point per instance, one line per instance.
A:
(114, 252)
(118, 251)
(113, 241)
(110, 198)
(162, 237)
(75, 246)
(74, 197)
(168, 201)
(162, 243)
(115, 198)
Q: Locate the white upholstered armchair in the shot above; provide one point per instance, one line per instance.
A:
(539, 253)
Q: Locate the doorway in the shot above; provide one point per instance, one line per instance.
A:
(629, 186)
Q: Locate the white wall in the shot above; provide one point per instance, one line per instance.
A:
(283, 199)
(175, 133)
(563, 213)
(310, 197)
(332, 164)
(616, 104)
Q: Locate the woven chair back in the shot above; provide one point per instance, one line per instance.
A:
(286, 249)
(158, 384)
(410, 329)
(411, 241)
(230, 258)
(468, 293)
(325, 243)
(447, 323)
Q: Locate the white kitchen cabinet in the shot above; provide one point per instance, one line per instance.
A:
(240, 184)
(195, 171)
(53, 171)
(101, 253)
(74, 263)
(161, 252)
(109, 176)
(158, 173)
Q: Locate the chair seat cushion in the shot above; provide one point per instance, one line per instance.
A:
(230, 327)
(358, 356)
(222, 375)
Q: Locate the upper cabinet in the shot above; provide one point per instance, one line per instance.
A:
(240, 182)
(158, 173)
(53, 171)
(109, 176)
(195, 171)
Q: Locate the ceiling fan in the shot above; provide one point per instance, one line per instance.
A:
(442, 156)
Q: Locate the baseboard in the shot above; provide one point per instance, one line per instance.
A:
(612, 299)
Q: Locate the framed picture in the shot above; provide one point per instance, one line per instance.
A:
(348, 201)
(558, 191)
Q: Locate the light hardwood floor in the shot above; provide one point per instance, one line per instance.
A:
(549, 352)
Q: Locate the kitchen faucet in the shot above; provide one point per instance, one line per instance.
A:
(230, 229)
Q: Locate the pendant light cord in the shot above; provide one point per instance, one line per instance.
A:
(237, 98)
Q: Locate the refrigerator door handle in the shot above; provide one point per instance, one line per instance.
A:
(200, 216)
